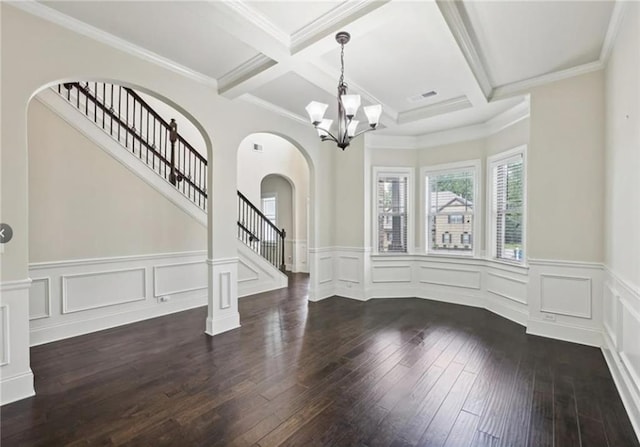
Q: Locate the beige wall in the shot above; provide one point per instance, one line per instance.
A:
(85, 204)
(348, 210)
(622, 212)
(566, 170)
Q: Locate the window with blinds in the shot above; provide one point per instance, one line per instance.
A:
(391, 191)
(507, 207)
(450, 198)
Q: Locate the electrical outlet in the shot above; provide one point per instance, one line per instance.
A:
(548, 317)
(164, 299)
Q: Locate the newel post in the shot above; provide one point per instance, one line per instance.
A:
(173, 137)
(282, 264)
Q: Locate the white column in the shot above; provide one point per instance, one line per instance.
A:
(16, 378)
(223, 296)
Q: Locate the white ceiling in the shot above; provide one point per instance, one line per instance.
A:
(282, 54)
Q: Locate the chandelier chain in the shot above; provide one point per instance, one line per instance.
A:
(341, 65)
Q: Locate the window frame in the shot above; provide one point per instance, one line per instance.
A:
(400, 171)
(504, 157)
(475, 166)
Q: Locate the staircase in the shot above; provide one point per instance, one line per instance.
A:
(127, 118)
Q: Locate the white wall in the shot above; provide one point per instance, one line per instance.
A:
(622, 212)
(277, 186)
(278, 156)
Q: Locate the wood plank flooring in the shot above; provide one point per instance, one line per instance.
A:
(394, 372)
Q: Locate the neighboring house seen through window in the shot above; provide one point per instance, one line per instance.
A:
(450, 193)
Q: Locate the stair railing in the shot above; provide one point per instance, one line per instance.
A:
(259, 233)
(124, 115)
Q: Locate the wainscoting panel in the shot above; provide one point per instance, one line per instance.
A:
(40, 298)
(566, 295)
(400, 273)
(450, 277)
(348, 268)
(5, 347)
(86, 291)
(170, 279)
(325, 268)
(622, 341)
(505, 286)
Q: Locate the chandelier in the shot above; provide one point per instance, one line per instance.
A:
(348, 106)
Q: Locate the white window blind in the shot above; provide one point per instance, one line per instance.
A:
(391, 190)
(507, 203)
(269, 208)
(450, 210)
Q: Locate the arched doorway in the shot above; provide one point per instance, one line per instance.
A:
(273, 167)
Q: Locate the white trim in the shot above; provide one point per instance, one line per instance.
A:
(113, 259)
(16, 387)
(6, 335)
(439, 108)
(567, 332)
(544, 308)
(222, 261)
(402, 171)
(248, 97)
(156, 294)
(40, 10)
(425, 223)
(615, 22)
(224, 324)
(466, 43)
(492, 161)
(47, 279)
(18, 284)
(537, 81)
(244, 71)
(564, 263)
(64, 296)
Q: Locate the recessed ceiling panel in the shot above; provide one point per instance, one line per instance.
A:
(290, 16)
(180, 31)
(521, 40)
(409, 53)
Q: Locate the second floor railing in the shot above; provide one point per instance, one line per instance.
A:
(126, 116)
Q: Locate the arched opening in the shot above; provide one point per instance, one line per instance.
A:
(117, 207)
(275, 174)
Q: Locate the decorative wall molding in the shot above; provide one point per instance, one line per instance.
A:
(45, 298)
(44, 12)
(439, 108)
(5, 345)
(181, 274)
(20, 284)
(621, 334)
(615, 22)
(551, 300)
(96, 286)
(35, 266)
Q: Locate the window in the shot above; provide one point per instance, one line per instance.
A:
(450, 197)
(392, 189)
(269, 208)
(507, 202)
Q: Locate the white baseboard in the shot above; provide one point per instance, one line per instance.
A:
(61, 331)
(16, 388)
(225, 324)
(574, 334)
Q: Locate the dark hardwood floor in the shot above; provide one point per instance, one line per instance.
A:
(395, 372)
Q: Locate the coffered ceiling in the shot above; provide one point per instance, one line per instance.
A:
(476, 56)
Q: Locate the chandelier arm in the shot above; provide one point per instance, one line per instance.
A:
(363, 131)
(328, 133)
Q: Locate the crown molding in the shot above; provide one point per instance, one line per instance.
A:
(257, 19)
(492, 126)
(44, 12)
(439, 108)
(527, 84)
(341, 15)
(379, 141)
(273, 108)
(244, 71)
(615, 23)
(467, 43)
